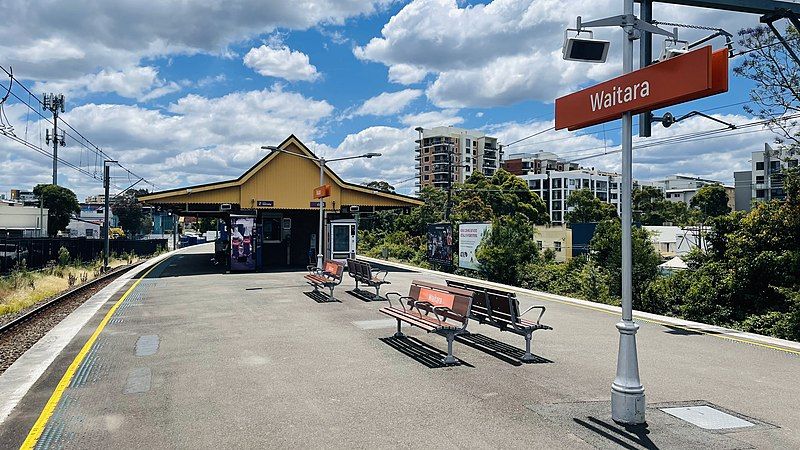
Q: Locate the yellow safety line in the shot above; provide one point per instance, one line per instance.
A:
(50, 407)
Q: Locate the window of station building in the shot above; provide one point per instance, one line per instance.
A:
(557, 246)
(760, 165)
(271, 227)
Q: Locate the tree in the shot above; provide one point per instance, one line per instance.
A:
(587, 208)
(776, 76)
(509, 194)
(381, 186)
(130, 214)
(606, 251)
(711, 200)
(507, 248)
(61, 204)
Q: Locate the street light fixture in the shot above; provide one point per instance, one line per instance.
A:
(321, 162)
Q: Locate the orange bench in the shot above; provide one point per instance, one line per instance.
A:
(328, 277)
(434, 308)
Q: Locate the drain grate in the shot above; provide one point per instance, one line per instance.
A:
(707, 417)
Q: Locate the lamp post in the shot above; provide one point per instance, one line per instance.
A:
(321, 162)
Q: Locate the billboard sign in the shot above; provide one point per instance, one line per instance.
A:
(322, 191)
(697, 74)
(242, 243)
(440, 244)
(470, 236)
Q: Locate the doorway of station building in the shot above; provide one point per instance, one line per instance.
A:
(288, 238)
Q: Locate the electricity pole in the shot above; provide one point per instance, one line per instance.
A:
(106, 234)
(55, 104)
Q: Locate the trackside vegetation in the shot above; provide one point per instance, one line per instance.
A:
(748, 279)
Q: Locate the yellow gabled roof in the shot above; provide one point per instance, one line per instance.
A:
(290, 184)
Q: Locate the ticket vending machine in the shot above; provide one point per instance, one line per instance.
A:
(342, 235)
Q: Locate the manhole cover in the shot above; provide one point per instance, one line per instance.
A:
(707, 417)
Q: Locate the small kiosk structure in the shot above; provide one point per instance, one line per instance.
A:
(270, 216)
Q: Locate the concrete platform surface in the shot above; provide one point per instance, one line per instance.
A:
(193, 358)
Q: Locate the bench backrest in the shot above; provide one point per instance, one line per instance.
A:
(352, 267)
(365, 270)
(493, 304)
(459, 301)
(333, 269)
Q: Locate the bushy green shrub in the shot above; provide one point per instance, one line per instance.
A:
(63, 256)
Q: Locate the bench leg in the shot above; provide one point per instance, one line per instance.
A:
(528, 356)
(399, 333)
(377, 292)
(450, 359)
(332, 297)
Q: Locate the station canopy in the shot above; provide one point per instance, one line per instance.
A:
(278, 182)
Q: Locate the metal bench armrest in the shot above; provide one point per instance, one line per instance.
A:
(399, 298)
(535, 307)
(379, 271)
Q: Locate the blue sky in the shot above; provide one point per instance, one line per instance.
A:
(186, 93)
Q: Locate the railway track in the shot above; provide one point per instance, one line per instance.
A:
(24, 330)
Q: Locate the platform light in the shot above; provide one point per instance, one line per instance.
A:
(583, 48)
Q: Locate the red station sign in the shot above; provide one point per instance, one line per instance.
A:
(697, 74)
(322, 191)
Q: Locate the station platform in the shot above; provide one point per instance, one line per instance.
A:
(185, 356)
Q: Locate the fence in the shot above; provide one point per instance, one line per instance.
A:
(37, 252)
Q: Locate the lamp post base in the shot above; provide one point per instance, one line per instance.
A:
(627, 393)
(319, 261)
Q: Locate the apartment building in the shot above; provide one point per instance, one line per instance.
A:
(536, 163)
(764, 180)
(554, 188)
(681, 188)
(471, 151)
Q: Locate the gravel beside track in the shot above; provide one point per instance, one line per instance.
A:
(17, 340)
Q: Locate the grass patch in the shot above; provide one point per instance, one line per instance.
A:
(24, 288)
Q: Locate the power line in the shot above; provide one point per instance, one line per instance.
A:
(80, 139)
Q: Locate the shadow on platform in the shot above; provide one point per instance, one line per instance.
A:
(680, 331)
(187, 264)
(390, 269)
(500, 350)
(624, 436)
(420, 352)
(320, 297)
(365, 296)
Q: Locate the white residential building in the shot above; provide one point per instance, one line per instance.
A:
(472, 151)
(554, 187)
(17, 220)
(681, 188)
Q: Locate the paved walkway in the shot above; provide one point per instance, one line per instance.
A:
(192, 358)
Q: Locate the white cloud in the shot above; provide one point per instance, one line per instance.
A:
(63, 40)
(406, 74)
(282, 62)
(141, 83)
(429, 119)
(396, 163)
(506, 51)
(198, 139)
(387, 103)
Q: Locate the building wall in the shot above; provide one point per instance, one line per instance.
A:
(557, 238)
(23, 220)
(555, 187)
(743, 190)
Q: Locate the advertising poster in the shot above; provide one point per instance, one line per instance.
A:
(440, 244)
(470, 236)
(242, 254)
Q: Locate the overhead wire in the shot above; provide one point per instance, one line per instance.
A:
(77, 136)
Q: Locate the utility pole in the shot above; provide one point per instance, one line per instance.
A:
(449, 182)
(106, 223)
(54, 103)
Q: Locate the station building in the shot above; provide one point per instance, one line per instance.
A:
(269, 215)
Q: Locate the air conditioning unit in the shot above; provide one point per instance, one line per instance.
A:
(225, 207)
